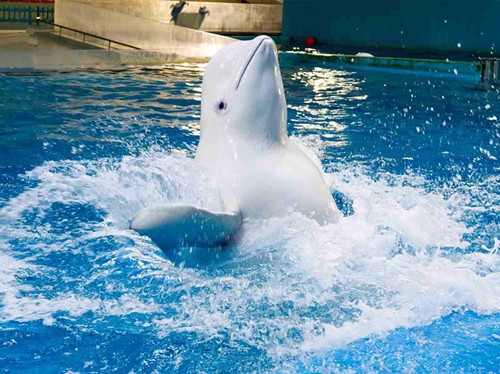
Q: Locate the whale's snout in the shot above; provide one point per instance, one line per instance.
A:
(262, 52)
(264, 39)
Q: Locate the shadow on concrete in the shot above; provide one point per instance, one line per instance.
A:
(177, 9)
(192, 20)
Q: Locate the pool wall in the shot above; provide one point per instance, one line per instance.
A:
(451, 25)
(464, 68)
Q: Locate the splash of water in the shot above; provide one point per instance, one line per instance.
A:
(289, 287)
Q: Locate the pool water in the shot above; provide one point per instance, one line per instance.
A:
(407, 281)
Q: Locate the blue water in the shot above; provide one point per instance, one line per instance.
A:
(408, 281)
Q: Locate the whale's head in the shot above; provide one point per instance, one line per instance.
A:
(242, 92)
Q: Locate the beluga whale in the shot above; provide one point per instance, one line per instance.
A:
(244, 145)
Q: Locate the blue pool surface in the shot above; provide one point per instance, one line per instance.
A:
(407, 281)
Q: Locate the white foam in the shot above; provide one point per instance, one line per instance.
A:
(118, 187)
(25, 309)
(10, 269)
(399, 261)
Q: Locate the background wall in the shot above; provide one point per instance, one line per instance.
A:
(236, 18)
(433, 24)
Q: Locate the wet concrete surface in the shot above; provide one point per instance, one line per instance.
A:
(35, 39)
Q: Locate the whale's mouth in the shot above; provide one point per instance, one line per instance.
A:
(242, 72)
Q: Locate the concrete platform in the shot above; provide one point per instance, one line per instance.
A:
(25, 52)
(29, 62)
(34, 39)
(30, 51)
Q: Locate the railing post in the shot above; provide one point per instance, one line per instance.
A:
(489, 71)
(37, 15)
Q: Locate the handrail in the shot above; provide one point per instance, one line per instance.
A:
(39, 19)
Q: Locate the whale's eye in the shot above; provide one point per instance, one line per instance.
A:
(220, 106)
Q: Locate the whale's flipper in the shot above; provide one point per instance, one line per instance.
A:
(171, 225)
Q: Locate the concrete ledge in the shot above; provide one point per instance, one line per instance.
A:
(57, 60)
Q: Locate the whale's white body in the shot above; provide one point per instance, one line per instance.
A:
(271, 182)
(244, 146)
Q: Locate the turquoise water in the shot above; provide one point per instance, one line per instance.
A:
(408, 281)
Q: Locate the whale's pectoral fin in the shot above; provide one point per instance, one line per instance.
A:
(171, 225)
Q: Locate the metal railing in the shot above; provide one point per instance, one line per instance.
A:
(85, 34)
(489, 69)
(25, 14)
